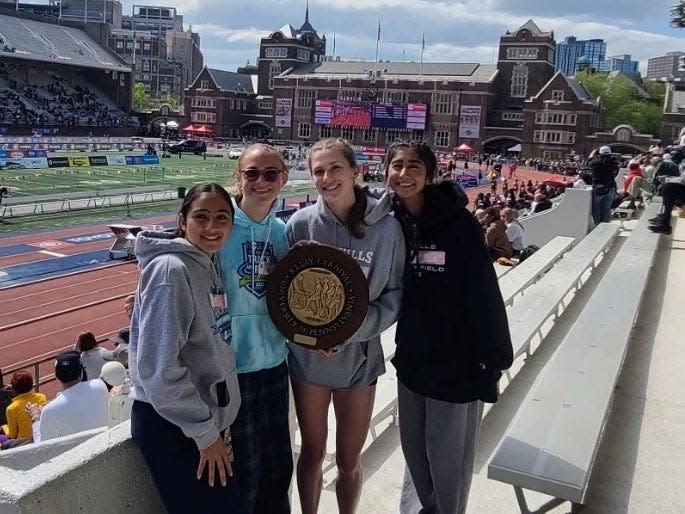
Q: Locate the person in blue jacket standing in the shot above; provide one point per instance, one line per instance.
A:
(261, 440)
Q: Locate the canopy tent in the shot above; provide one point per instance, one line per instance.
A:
(189, 128)
(171, 124)
(464, 148)
(203, 130)
(515, 148)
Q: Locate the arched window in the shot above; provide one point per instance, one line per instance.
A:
(274, 70)
(519, 81)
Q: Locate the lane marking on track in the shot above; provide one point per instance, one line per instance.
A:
(54, 254)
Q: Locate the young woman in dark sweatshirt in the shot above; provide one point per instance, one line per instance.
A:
(452, 335)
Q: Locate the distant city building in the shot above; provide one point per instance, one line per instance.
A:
(165, 57)
(571, 49)
(665, 66)
(622, 63)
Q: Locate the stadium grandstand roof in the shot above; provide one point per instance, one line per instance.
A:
(37, 41)
(459, 72)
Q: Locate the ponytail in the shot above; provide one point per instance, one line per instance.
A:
(355, 219)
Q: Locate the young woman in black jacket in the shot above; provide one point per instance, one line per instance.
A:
(452, 335)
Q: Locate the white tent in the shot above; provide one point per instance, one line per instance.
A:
(171, 124)
(515, 148)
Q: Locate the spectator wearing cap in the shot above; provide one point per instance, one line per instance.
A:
(604, 169)
(81, 406)
(93, 356)
(18, 421)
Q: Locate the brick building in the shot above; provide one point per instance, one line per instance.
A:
(300, 94)
(227, 103)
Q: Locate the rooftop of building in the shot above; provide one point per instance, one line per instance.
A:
(37, 41)
(459, 72)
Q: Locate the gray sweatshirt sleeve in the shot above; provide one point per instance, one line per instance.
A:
(384, 310)
(164, 323)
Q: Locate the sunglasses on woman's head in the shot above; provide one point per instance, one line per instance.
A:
(269, 174)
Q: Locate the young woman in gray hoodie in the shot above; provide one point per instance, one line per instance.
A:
(186, 387)
(347, 218)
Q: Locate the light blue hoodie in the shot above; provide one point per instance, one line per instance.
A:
(245, 261)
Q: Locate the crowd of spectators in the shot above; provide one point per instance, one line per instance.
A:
(94, 393)
(57, 102)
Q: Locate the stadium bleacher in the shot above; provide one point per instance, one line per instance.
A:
(34, 91)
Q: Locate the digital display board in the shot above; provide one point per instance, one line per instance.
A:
(351, 114)
(338, 113)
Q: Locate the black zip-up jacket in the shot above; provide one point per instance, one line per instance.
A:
(452, 335)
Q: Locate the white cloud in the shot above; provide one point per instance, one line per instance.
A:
(242, 35)
(461, 31)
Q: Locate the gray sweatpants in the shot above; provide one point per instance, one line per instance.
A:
(439, 444)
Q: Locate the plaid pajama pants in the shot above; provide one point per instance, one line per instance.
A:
(263, 462)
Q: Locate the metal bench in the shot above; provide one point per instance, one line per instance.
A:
(551, 444)
(533, 267)
(546, 298)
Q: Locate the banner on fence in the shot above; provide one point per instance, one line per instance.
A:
(116, 160)
(80, 161)
(23, 163)
(98, 160)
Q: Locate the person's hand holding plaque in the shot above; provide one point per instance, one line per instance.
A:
(317, 296)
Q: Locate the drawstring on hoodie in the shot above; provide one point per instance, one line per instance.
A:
(266, 245)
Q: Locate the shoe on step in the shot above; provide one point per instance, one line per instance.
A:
(661, 229)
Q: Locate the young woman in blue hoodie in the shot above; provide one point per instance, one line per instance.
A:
(261, 438)
(452, 335)
(186, 388)
(348, 218)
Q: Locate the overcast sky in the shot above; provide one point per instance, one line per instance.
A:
(466, 31)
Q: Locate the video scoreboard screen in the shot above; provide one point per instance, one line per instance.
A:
(340, 113)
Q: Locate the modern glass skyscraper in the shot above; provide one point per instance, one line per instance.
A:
(571, 49)
(620, 63)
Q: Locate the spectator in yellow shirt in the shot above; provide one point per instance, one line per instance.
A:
(18, 421)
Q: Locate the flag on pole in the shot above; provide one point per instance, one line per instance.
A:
(334, 45)
(378, 38)
(423, 42)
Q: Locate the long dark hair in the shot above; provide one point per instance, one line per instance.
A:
(193, 193)
(423, 151)
(355, 218)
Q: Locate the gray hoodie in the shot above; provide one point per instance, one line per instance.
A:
(177, 362)
(380, 253)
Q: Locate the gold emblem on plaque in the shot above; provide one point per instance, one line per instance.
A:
(316, 296)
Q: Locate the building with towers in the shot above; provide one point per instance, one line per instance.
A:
(287, 48)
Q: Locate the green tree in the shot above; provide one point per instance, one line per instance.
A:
(622, 104)
(141, 100)
(678, 15)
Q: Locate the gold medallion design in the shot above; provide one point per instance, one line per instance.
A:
(316, 296)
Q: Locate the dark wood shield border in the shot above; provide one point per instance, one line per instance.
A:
(355, 288)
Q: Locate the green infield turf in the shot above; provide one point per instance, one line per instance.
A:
(173, 171)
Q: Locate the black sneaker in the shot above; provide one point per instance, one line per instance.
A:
(661, 229)
(659, 218)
